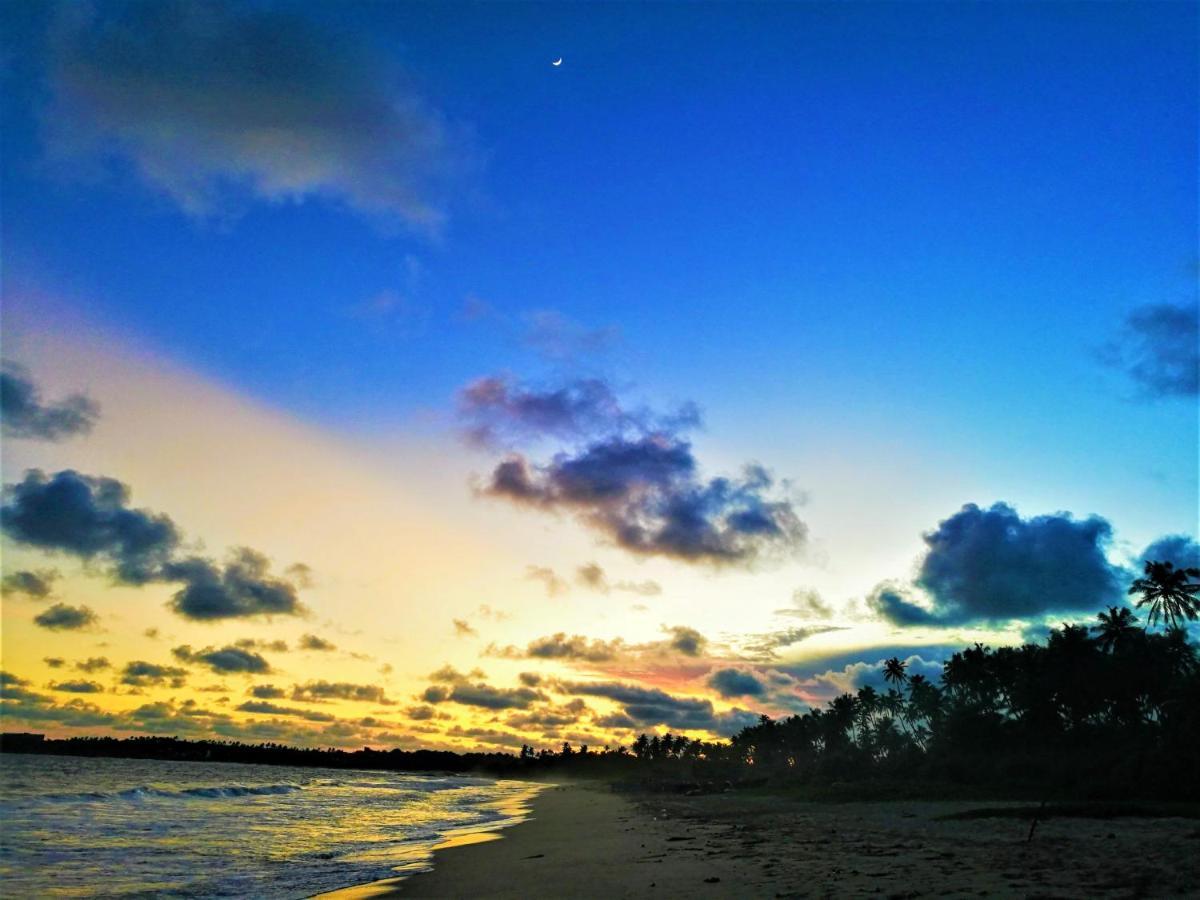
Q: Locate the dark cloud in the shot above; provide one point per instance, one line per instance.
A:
(574, 647)
(267, 692)
(54, 662)
(452, 686)
(990, 565)
(319, 644)
(93, 664)
(498, 412)
(140, 673)
(35, 585)
(275, 646)
(421, 713)
(78, 687)
(892, 603)
(593, 577)
(735, 683)
(629, 474)
(261, 706)
(61, 617)
(340, 690)
(645, 496)
(687, 641)
(89, 518)
(1160, 350)
(22, 705)
(215, 104)
(242, 587)
(23, 414)
(530, 679)
(651, 706)
(1178, 549)
(225, 659)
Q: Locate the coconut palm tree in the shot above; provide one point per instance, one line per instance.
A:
(893, 671)
(1116, 629)
(1169, 593)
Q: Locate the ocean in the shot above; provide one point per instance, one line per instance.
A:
(80, 827)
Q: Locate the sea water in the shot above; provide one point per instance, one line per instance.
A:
(75, 826)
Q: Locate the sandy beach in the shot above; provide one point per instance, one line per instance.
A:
(585, 841)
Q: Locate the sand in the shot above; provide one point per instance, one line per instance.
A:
(585, 841)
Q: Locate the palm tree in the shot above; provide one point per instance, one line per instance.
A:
(893, 671)
(1117, 627)
(1169, 593)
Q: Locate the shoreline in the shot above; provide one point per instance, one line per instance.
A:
(583, 840)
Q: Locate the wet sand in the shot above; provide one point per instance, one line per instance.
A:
(585, 841)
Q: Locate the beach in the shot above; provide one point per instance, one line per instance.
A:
(583, 840)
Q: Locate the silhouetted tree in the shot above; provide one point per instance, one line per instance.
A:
(1169, 593)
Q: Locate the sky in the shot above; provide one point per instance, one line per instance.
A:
(371, 380)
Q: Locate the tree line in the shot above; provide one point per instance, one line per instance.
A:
(1106, 710)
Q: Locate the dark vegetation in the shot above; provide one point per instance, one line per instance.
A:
(1106, 712)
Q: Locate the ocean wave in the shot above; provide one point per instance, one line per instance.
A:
(196, 793)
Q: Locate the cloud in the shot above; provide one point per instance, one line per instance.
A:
(78, 687)
(644, 495)
(226, 659)
(735, 683)
(1159, 350)
(54, 662)
(575, 647)
(990, 565)
(93, 664)
(261, 706)
(89, 518)
(319, 644)
(35, 585)
(213, 105)
(558, 337)
(762, 646)
(1178, 549)
(452, 686)
(421, 713)
(593, 577)
(267, 692)
(807, 604)
(61, 617)
(484, 696)
(554, 585)
(462, 628)
(23, 414)
(315, 691)
(497, 412)
(140, 673)
(243, 587)
(687, 641)
(651, 706)
(832, 682)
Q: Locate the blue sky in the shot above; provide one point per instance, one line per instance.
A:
(896, 235)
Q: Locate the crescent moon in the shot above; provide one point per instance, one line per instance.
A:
(557, 62)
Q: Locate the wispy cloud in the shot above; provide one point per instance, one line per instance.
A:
(1159, 349)
(214, 105)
